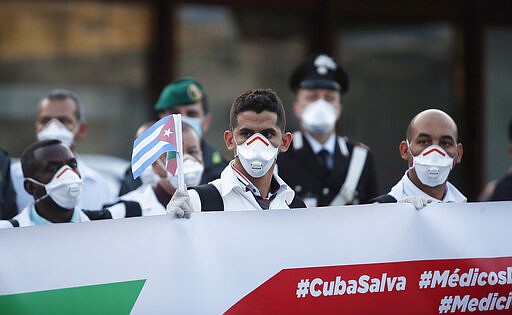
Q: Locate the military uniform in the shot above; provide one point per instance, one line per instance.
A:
(336, 171)
(213, 161)
(299, 167)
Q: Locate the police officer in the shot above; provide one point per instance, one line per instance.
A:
(185, 96)
(322, 167)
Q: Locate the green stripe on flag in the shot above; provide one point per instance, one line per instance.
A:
(171, 155)
(110, 298)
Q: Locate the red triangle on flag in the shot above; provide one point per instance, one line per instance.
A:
(168, 132)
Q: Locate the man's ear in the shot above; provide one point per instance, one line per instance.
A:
(206, 122)
(460, 151)
(82, 131)
(228, 139)
(286, 141)
(30, 187)
(404, 150)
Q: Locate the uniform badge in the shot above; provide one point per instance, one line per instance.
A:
(194, 93)
(323, 64)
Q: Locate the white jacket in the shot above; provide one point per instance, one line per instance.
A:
(146, 197)
(235, 196)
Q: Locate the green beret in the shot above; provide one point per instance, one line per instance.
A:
(184, 91)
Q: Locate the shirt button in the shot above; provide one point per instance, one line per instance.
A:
(325, 191)
(298, 188)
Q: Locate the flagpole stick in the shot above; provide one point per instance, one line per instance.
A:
(179, 154)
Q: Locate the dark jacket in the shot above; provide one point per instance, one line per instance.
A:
(300, 169)
(8, 208)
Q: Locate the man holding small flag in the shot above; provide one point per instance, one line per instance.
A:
(256, 137)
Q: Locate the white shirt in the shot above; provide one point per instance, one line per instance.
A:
(146, 197)
(237, 198)
(329, 146)
(29, 217)
(95, 193)
(406, 188)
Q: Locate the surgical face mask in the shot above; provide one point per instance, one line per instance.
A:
(192, 171)
(65, 188)
(195, 123)
(54, 129)
(149, 177)
(257, 155)
(432, 165)
(319, 117)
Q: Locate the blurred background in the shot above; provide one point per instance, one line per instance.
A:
(401, 57)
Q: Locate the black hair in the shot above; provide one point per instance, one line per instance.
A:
(257, 100)
(62, 95)
(29, 163)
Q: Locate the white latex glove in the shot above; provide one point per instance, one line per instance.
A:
(417, 201)
(180, 204)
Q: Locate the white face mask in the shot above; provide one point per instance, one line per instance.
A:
(54, 129)
(432, 165)
(319, 117)
(257, 155)
(192, 171)
(65, 188)
(149, 177)
(195, 123)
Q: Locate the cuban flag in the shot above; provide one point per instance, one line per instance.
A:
(164, 136)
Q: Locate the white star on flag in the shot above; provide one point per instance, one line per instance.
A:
(167, 132)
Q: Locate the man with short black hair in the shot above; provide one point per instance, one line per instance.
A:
(324, 168)
(256, 136)
(52, 179)
(61, 116)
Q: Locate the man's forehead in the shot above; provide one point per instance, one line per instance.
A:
(53, 153)
(55, 108)
(257, 121)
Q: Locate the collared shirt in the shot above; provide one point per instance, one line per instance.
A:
(329, 146)
(264, 202)
(39, 220)
(406, 188)
(237, 198)
(29, 217)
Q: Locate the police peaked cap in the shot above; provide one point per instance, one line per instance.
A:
(184, 91)
(319, 72)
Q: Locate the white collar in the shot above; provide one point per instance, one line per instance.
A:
(329, 145)
(406, 188)
(230, 181)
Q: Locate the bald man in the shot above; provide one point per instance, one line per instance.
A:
(431, 151)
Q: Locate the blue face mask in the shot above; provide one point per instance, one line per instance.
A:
(195, 123)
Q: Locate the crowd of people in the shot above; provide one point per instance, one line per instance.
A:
(270, 168)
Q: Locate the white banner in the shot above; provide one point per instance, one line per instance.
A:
(295, 260)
